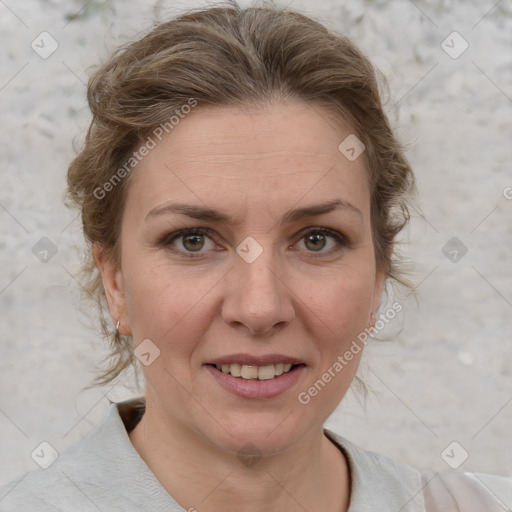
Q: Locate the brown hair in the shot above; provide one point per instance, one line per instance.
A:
(225, 55)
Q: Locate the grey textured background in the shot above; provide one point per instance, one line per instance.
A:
(446, 376)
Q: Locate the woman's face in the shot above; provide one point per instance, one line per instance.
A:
(278, 268)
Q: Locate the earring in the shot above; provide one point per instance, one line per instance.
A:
(117, 325)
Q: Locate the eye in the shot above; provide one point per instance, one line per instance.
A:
(317, 239)
(189, 241)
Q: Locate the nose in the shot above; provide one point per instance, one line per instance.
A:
(256, 298)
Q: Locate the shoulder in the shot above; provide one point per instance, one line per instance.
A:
(466, 491)
(103, 472)
(70, 482)
(46, 490)
(381, 483)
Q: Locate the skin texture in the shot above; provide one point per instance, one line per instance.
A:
(298, 298)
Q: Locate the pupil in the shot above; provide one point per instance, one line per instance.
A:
(196, 239)
(315, 239)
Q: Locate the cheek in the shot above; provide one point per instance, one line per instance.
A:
(345, 310)
(165, 303)
(179, 302)
(346, 301)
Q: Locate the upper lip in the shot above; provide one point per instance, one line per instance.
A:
(250, 360)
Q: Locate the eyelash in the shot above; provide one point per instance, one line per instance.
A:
(166, 242)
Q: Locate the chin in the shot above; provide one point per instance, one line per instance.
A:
(261, 433)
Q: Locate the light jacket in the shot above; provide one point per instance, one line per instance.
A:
(104, 472)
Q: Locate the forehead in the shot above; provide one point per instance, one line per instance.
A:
(275, 154)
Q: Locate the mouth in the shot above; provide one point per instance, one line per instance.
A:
(256, 372)
(256, 377)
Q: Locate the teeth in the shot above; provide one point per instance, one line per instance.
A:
(266, 372)
(249, 372)
(234, 369)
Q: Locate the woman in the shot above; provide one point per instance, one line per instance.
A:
(240, 190)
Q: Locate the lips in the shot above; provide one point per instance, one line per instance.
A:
(249, 368)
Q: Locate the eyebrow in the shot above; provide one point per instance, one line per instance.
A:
(209, 214)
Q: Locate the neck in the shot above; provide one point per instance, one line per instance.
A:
(312, 475)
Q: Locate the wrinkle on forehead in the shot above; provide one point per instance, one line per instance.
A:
(216, 157)
(283, 155)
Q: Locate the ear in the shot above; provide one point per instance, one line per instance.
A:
(380, 281)
(113, 284)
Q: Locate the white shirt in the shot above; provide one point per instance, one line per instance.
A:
(105, 473)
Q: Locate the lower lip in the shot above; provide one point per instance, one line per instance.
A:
(255, 388)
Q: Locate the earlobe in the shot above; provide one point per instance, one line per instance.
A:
(113, 285)
(380, 280)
